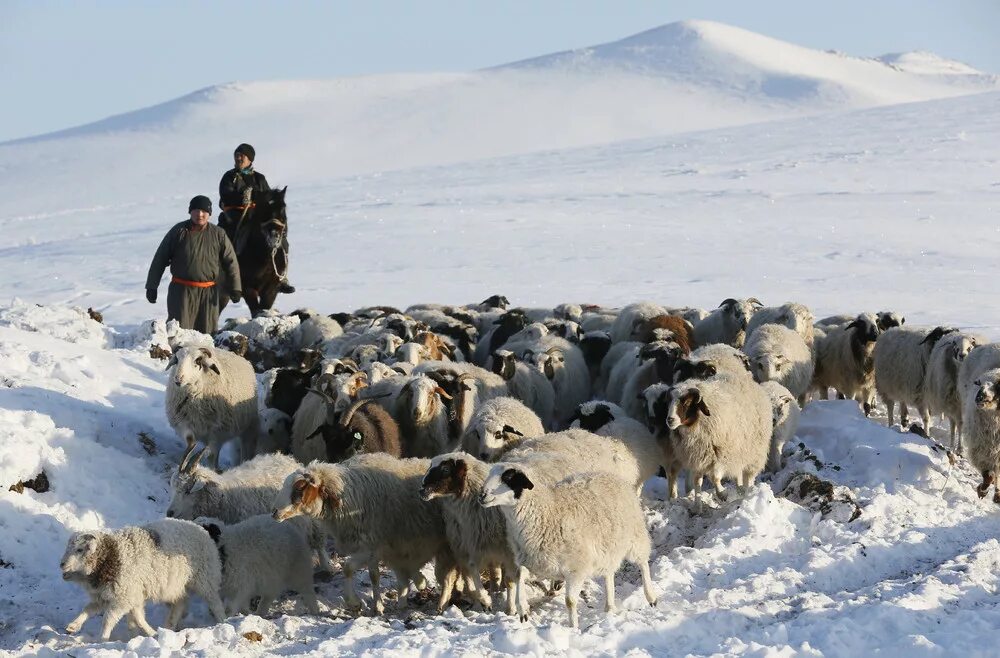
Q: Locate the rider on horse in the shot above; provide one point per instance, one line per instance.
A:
(238, 190)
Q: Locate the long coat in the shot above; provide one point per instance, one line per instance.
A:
(233, 184)
(204, 255)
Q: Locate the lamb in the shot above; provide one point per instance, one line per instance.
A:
(164, 561)
(784, 420)
(528, 385)
(239, 493)
(632, 315)
(780, 354)
(726, 324)
(212, 397)
(477, 535)
(792, 315)
(496, 422)
(584, 525)
(371, 506)
(362, 427)
(941, 393)
(261, 558)
(901, 355)
(722, 427)
(276, 432)
(981, 421)
(844, 360)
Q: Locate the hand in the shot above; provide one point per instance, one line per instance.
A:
(151, 295)
(236, 296)
(247, 195)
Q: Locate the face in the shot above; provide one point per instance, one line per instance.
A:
(186, 489)
(300, 494)
(446, 477)
(193, 365)
(504, 486)
(241, 161)
(78, 549)
(986, 393)
(199, 217)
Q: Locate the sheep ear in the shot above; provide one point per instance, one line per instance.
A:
(510, 430)
(702, 407)
(550, 371)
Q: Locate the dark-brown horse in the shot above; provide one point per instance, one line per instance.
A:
(259, 239)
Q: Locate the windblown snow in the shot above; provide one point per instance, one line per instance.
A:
(686, 164)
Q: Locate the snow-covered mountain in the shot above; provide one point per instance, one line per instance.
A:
(681, 77)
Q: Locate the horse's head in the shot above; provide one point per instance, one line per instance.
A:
(273, 220)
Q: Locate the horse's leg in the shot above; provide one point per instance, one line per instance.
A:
(268, 295)
(253, 301)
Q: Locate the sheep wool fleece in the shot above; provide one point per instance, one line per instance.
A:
(205, 255)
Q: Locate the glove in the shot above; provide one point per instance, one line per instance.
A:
(236, 296)
(151, 295)
(247, 195)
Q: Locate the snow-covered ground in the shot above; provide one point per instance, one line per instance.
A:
(396, 198)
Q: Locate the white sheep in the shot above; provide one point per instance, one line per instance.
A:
(710, 360)
(784, 420)
(262, 558)
(722, 427)
(980, 359)
(528, 385)
(477, 535)
(796, 317)
(496, 422)
(901, 355)
(844, 360)
(780, 354)
(164, 562)
(237, 494)
(371, 506)
(314, 328)
(581, 527)
(941, 394)
(212, 397)
(981, 422)
(726, 324)
(607, 419)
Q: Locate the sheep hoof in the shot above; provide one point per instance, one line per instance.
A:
(652, 604)
(996, 497)
(523, 618)
(981, 490)
(72, 628)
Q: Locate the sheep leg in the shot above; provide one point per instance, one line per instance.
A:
(673, 474)
(522, 594)
(375, 576)
(176, 613)
(303, 584)
(693, 482)
(925, 418)
(904, 415)
(111, 618)
(138, 615)
(510, 586)
(986, 484)
(77, 623)
(480, 589)
(889, 406)
(215, 606)
(573, 587)
(609, 592)
(264, 604)
(403, 580)
(447, 574)
(956, 435)
(349, 567)
(717, 484)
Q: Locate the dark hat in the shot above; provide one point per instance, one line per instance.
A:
(246, 150)
(201, 202)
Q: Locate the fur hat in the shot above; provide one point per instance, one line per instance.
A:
(246, 150)
(201, 202)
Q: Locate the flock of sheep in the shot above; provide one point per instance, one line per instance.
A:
(496, 443)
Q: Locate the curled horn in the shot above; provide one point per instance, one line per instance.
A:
(464, 377)
(754, 300)
(728, 301)
(443, 393)
(345, 418)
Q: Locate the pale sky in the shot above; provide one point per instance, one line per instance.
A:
(68, 63)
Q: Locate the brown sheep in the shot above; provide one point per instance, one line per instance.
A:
(681, 330)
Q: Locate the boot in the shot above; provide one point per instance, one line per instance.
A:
(285, 288)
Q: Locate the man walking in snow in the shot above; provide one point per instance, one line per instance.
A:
(199, 254)
(238, 191)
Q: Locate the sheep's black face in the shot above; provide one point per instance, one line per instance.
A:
(685, 370)
(598, 417)
(444, 479)
(517, 481)
(342, 442)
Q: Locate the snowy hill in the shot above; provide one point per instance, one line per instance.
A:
(682, 77)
